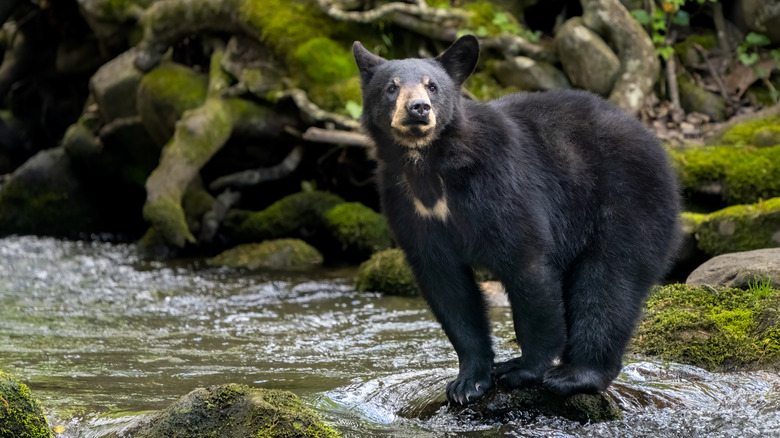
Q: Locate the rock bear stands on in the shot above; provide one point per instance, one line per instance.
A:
(568, 201)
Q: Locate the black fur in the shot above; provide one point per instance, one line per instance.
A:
(567, 200)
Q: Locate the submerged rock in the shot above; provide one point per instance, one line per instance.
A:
(20, 413)
(388, 272)
(232, 410)
(281, 254)
(717, 329)
(739, 269)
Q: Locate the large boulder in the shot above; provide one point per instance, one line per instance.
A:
(114, 87)
(232, 410)
(587, 60)
(740, 270)
(529, 74)
(281, 254)
(720, 329)
(21, 415)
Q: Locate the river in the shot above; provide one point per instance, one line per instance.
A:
(102, 337)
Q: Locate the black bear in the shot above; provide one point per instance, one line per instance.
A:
(566, 199)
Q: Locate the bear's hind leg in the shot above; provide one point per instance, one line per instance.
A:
(537, 313)
(603, 300)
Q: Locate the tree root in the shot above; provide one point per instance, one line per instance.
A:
(253, 177)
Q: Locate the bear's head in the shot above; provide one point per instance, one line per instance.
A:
(411, 101)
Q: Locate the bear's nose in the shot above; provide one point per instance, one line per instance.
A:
(419, 108)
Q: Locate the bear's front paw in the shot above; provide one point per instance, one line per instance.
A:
(517, 373)
(466, 390)
(568, 380)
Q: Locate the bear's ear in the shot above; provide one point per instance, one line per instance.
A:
(366, 61)
(460, 59)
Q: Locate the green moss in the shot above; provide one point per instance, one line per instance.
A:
(484, 86)
(687, 51)
(120, 10)
(21, 415)
(697, 99)
(744, 133)
(176, 85)
(334, 97)
(387, 271)
(289, 215)
(236, 410)
(359, 230)
(325, 60)
(722, 329)
(747, 174)
(167, 216)
(740, 228)
(279, 254)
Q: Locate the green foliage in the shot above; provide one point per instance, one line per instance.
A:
(660, 22)
(761, 288)
(354, 109)
(487, 19)
(21, 415)
(722, 329)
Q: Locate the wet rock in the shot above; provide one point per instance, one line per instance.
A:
(21, 415)
(43, 196)
(359, 230)
(502, 406)
(297, 215)
(740, 228)
(528, 74)
(695, 99)
(531, 402)
(280, 254)
(388, 272)
(739, 270)
(233, 410)
(114, 87)
(587, 60)
(720, 329)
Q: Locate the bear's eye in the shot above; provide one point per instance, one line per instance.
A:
(432, 88)
(391, 89)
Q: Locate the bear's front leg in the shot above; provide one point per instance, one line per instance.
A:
(457, 303)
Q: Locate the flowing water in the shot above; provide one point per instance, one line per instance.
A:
(102, 337)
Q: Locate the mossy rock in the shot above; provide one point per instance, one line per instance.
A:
(720, 330)
(740, 174)
(280, 254)
(165, 93)
(43, 196)
(21, 415)
(388, 272)
(359, 230)
(292, 216)
(696, 99)
(233, 410)
(740, 228)
(760, 132)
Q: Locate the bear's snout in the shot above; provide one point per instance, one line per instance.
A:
(418, 110)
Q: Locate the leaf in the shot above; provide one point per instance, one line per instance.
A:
(756, 39)
(748, 58)
(482, 31)
(641, 16)
(500, 18)
(665, 52)
(682, 18)
(354, 109)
